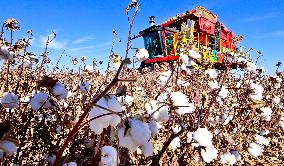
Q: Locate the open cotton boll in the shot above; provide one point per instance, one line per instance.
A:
(223, 93)
(209, 154)
(154, 127)
(126, 140)
(70, 164)
(224, 119)
(250, 67)
(109, 156)
(203, 137)
(50, 158)
(184, 58)
(189, 136)
(212, 73)
(228, 158)
(97, 125)
(142, 54)
(5, 54)
(59, 91)
(254, 150)
(140, 131)
(148, 149)
(264, 132)
(213, 85)
(10, 100)
(261, 140)
(237, 155)
(161, 113)
(8, 147)
(40, 100)
(276, 100)
(163, 78)
(281, 123)
(266, 113)
(257, 92)
(84, 87)
(193, 54)
(129, 100)
(180, 100)
(175, 143)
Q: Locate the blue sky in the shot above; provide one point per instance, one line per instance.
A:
(85, 27)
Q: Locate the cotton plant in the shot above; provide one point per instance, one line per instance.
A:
(10, 100)
(230, 158)
(209, 154)
(84, 87)
(40, 100)
(212, 73)
(213, 85)
(6, 54)
(257, 92)
(266, 113)
(281, 123)
(261, 140)
(109, 156)
(72, 163)
(182, 104)
(142, 54)
(137, 135)
(250, 66)
(9, 147)
(98, 124)
(160, 112)
(163, 78)
(223, 92)
(255, 149)
(59, 91)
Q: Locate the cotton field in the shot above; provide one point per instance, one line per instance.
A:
(169, 114)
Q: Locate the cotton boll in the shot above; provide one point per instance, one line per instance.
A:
(180, 99)
(212, 73)
(250, 67)
(281, 123)
(59, 91)
(163, 78)
(203, 137)
(209, 154)
(148, 149)
(126, 140)
(10, 100)
(109, 156)
(154, 127)
(228, 158)
(98, 124)
(237, 155)
(140, 131)
(213, 85)
(276, 100)
(254, 150)
(224, 119)
(264, 132)
(129, 100)
(266, 113)
(142, 54)
(84, 87)
(5, 54)
(50, 158)
(8, 147)
(70, 164)
(223, 93)
(257, 92)
(175, 143)
(40, 100)
(261, 140)
(189, 137)
(184, 58)
(160, 113)
(193, 54)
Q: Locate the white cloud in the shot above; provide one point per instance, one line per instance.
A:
(82, 40)
(102, 45)
(54, 44)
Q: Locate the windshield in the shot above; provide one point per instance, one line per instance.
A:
(153, 44)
